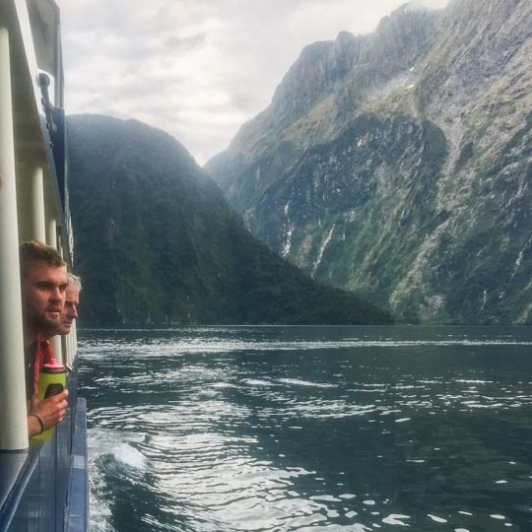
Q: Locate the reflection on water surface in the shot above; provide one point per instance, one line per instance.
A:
(309, 428)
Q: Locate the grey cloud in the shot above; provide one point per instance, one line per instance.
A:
(196, 68)
(176, 43)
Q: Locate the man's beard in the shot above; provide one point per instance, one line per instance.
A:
(47, 324)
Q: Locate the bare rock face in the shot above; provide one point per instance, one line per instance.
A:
(399, 164)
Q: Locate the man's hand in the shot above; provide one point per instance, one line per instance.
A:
(51, 411)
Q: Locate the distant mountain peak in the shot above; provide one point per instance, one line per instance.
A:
(398, 163)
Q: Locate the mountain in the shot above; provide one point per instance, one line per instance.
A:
(156, 242)
(398, 164)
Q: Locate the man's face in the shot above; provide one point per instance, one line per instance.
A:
(43, 296)
(70, 310)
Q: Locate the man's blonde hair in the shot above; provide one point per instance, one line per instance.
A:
(35, 251)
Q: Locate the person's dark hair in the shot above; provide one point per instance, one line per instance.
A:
(35, 251)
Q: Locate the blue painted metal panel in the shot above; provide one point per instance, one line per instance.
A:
(78, 503)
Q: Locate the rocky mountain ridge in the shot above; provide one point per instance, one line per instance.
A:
(398, 164)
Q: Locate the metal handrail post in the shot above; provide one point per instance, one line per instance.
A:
(39, 223)
(13, 416)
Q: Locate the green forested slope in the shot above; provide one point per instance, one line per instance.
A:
(155, 241)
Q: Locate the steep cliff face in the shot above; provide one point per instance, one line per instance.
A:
(156, 242)
(399, 164)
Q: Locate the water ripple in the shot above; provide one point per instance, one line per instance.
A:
(203, 430)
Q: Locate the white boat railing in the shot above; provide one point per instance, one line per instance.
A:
(34, 206)
(33, 200)
(13, 417)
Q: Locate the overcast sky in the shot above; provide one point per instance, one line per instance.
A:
(197, 69)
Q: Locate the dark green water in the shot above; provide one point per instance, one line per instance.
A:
(309, 428)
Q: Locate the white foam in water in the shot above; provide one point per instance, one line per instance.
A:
(395, 519)
(256, 382)
(324, 498)
(473, 381)
(100, 509)
(103, 442)
(306, 383)
(213, 345)
(222, 385)
(131, 457)
(437, 519)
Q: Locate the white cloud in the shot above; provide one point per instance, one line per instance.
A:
(196, 68)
